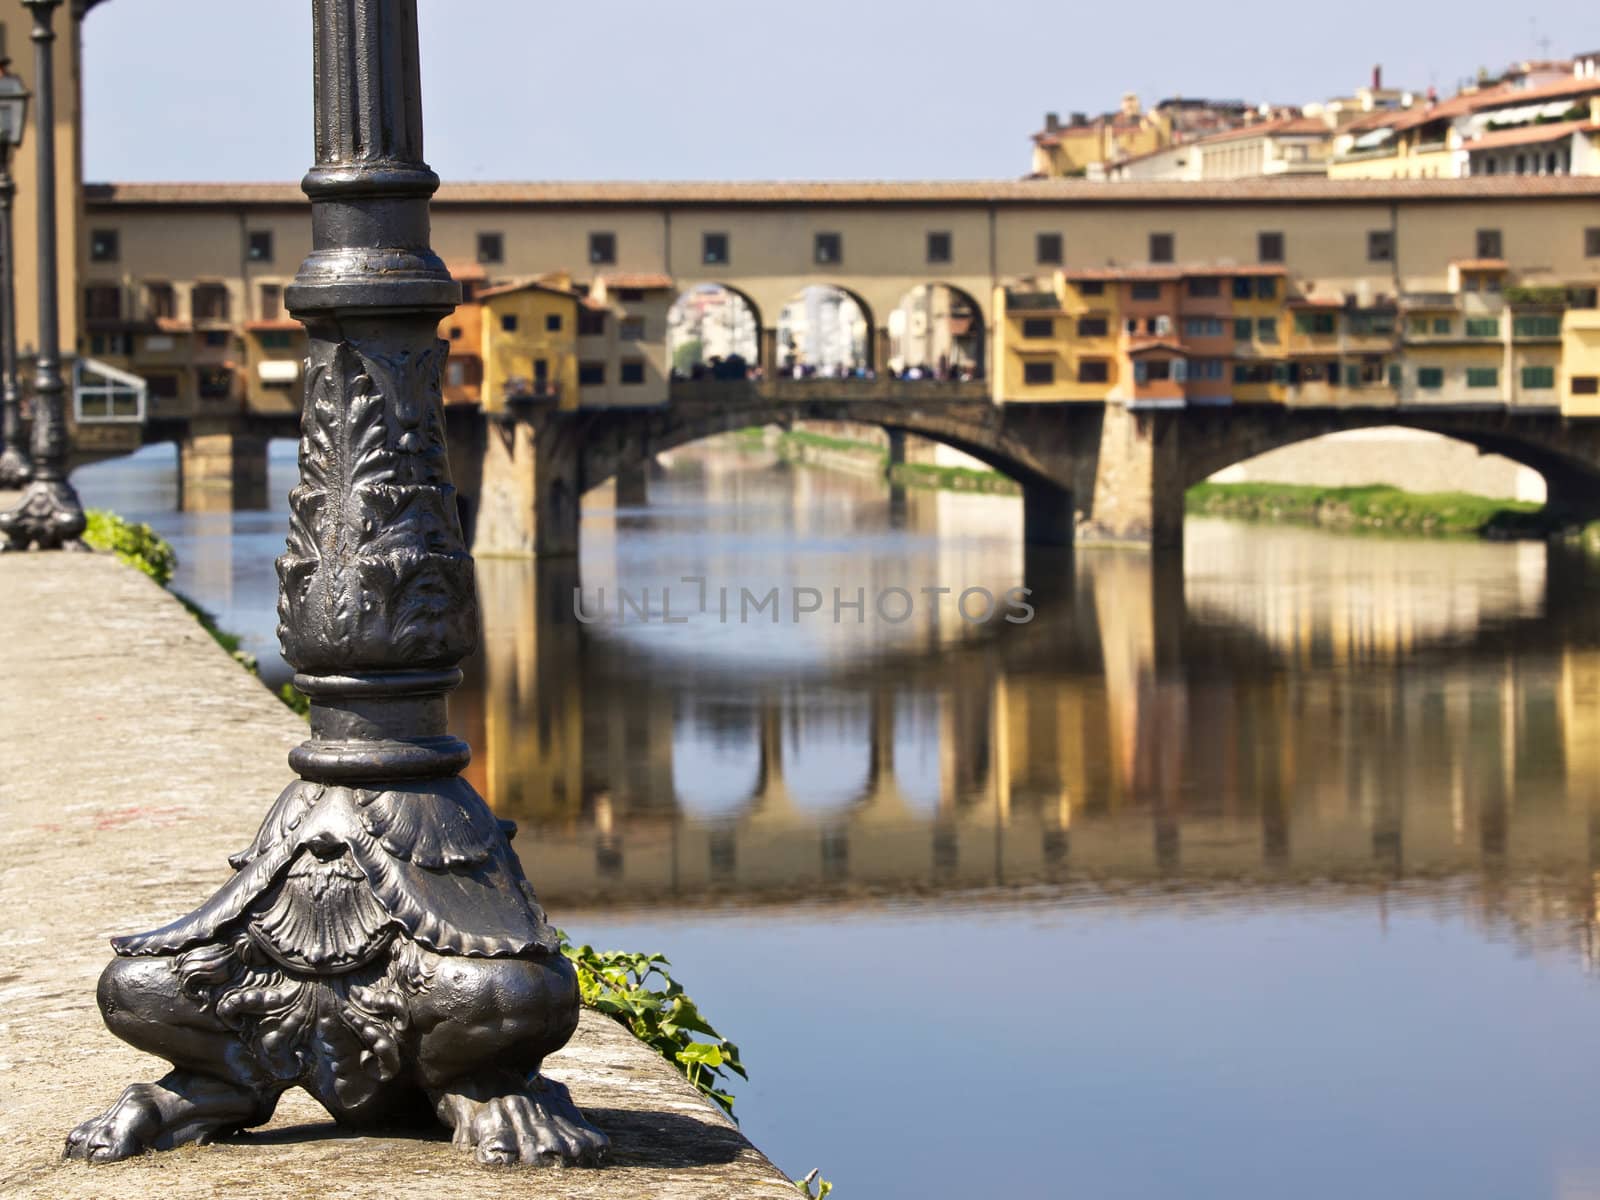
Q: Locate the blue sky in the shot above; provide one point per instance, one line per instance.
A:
(714, 89)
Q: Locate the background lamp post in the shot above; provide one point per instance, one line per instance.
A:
(15, 468)
(378, 944)
(48, 515)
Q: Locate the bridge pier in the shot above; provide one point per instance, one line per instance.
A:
(897, 451)
(1048, 518)
(528, 491)
(633, 485)
(1136, 479)
(220, 471)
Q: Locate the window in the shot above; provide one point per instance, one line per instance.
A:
(1586, 385)
(714, 249)
(1591, 242)
(163, 387)
(1269, 247)
(1418, 325)
(1038, 327)
(1161, 248)
(1205, 286)
(1266, 288)
(1037, 374)
(828, 248)
(160, 301)
(1537, 326)
(104, 246)
(1489, 244)
(1380, 245)
(216, 383)
(1161, 326)
(1241, 288)
(1094, 370)
(1267, 329)
(491, 247)
(455, 333)
(1396, 375)
(1430, 377)
(1146, 290)
(1371, 324)
(1199, 327)
(591, 322)
(1092, 287)
(630, 294)
(271, 295)
(1244, 329)
(592, 373)
(1483, 377)
(552, 322)
(1093, 327)
(938, 247)
(1206, 368)
(209, 302)
(1314, 323)
(1483, 327)
(217, 339)
(1443, 325)
(508, 322)
(258, 245)
(1538, 378)
(631, 329)
(1047, 249)
(632, 371)
(602, 248)
(1157, 370)
(274, 339)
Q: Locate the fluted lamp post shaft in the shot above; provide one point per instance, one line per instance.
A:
(378, 944)
(15, 466)
(48, 515)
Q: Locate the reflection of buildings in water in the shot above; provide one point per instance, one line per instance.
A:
(1123, 736)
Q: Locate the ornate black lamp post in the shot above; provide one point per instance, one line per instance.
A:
(378, 944)
(15, 469)
(48, 515)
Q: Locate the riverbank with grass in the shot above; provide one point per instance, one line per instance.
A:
(1376, 508)
(866, 458)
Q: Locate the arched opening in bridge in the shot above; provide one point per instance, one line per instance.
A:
(825, 332)
(713, 332)
(936, 332)
(1415, 460)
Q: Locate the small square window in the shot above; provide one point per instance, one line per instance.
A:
(632, 371)
(1591, 242)
(1038, 327)
(828, 248)
(1243, 329)
(1161, 248)
(591, 322)
(104, 246)
(1204, 286)
(508, 322)
(1037, 374)
(1241, 287)
(491, 248)
(1093, 370)
(1269, 247)
(602, 248)
(1380, 245)
(1146, 290)
(1092, 287)
(1047, 249)
(1586, 385)
(631, 329)
(714, 249)
(938, 247)
(592, 373)
(1266, 288)
(259, 246)
(1489, 244)
(1267, 329)
(455, 333)
(1093, 327)
(552, 322)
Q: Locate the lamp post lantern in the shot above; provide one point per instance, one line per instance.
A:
(378, 944)
(48, 515)
(15, 468)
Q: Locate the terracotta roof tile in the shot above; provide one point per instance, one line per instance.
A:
(641, 280)
(1481, 264)
(524, 285)
(1531, 135)
(100, 196)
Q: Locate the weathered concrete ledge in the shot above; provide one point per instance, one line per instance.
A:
(134, 757)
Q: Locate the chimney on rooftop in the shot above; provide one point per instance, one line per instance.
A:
(1377, 78)
(1052, 122)
(1080, 119)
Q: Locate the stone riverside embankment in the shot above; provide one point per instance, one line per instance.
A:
(134, 757)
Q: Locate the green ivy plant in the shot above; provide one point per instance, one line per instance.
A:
(135, 544)
(637, 991)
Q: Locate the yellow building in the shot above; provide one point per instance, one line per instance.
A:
(1057, 339)
(530, 343)
(1580, 362)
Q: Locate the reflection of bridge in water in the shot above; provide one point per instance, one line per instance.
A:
(1137, 733)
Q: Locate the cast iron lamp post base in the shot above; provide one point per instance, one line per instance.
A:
(378, 944)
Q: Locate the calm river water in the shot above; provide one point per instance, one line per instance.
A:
(1270, 874)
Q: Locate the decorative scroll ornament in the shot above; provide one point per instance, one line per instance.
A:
(376, 574)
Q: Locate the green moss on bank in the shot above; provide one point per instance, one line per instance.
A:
(922, 475)
(1377, 507)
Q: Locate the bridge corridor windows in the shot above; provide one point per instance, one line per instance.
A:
(936, 332)
(491, 248)
(713, 332)
(824, 331)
